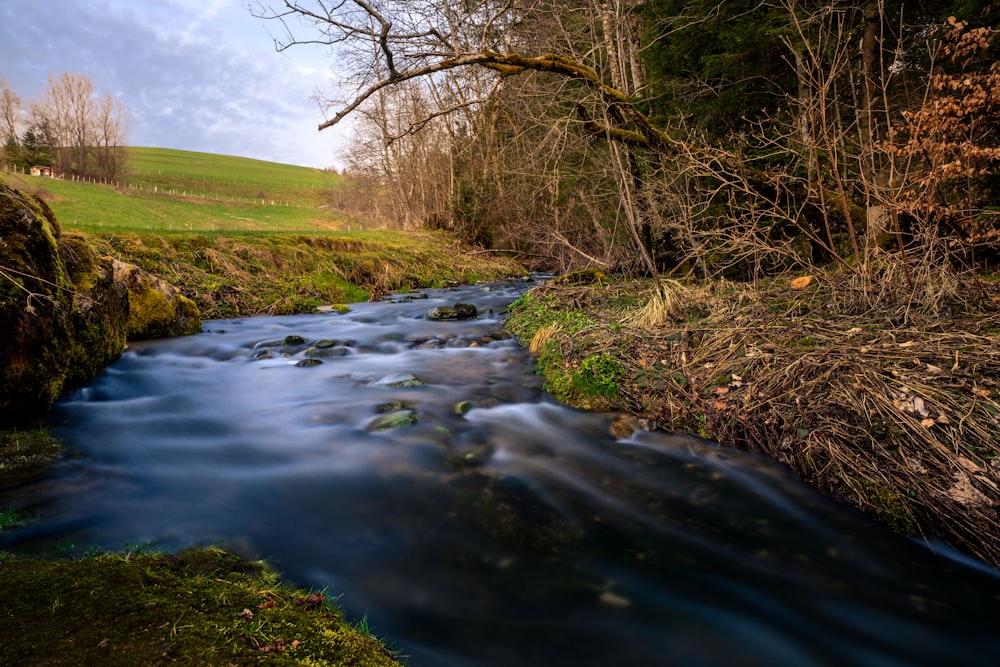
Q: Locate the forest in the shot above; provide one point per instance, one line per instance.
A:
(738, 139)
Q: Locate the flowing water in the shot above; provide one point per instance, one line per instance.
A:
(516, 533)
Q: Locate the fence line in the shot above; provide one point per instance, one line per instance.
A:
(166, 191)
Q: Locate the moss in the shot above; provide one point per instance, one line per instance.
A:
(53, 334)
(27, 448)
(887, 506)
(198, 607)
(149, 312)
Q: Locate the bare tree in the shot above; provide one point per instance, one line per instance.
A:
(87, 134)
(11, 111)
(384, 44)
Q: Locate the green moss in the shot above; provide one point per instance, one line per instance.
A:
(149, 313)
(531, 312)
(198, 607)
(27, 448)
(887, 506)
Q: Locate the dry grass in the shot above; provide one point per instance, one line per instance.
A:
(664, 305)
(895, 410)
(543, 336)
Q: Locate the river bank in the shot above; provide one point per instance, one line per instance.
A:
(252, 274)
(895, 413)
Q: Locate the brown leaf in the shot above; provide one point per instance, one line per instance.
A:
(721, 405)
(313, 600)
(803, 282)
(270, 604)
(721, 391)
(278, 645)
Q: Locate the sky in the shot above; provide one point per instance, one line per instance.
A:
(199, 75)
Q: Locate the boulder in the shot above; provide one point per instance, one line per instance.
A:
(156, 309)
(66, 313)
(460, 311)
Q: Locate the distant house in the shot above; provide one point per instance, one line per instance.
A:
(42, 171)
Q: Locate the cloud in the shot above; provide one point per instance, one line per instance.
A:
(187, 78)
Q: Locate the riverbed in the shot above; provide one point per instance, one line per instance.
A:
(418, 470)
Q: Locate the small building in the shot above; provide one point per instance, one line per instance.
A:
(40, 170)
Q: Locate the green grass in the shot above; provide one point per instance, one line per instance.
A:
(103, 208)
(170, 191)
(10, 518)
(229, 176)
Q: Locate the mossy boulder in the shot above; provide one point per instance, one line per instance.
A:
(156, 309)
(65, 313)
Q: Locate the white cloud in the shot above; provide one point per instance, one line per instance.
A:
(192, 75)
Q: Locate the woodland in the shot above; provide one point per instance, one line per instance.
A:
(738, 139)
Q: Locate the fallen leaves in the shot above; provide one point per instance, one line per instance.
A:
(965, 493)
(802, 282)
(279, 646)
(314, 600)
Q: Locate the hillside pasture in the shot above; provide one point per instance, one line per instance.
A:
(227, 176)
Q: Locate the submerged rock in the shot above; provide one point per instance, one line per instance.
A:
(393, 420)
(398, 381)
(460, 311)
(315, 351)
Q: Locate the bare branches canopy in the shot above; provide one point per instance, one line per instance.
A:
(385, 43)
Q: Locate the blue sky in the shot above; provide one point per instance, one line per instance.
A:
(198, 75)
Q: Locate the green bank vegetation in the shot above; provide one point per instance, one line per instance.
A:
(276, 274)
(202, 606)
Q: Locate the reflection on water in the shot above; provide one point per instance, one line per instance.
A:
(516, 533)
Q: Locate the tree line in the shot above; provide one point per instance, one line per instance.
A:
(69, 128)
(740, 138)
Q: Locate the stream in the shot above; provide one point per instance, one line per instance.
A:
(515, 533)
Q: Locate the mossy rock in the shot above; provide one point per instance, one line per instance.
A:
(156, 309)
(65, 312)
(52, 335)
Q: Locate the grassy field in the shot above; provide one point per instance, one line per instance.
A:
(172, 191)
(227, 176)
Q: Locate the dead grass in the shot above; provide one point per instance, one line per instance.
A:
(894, 410)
